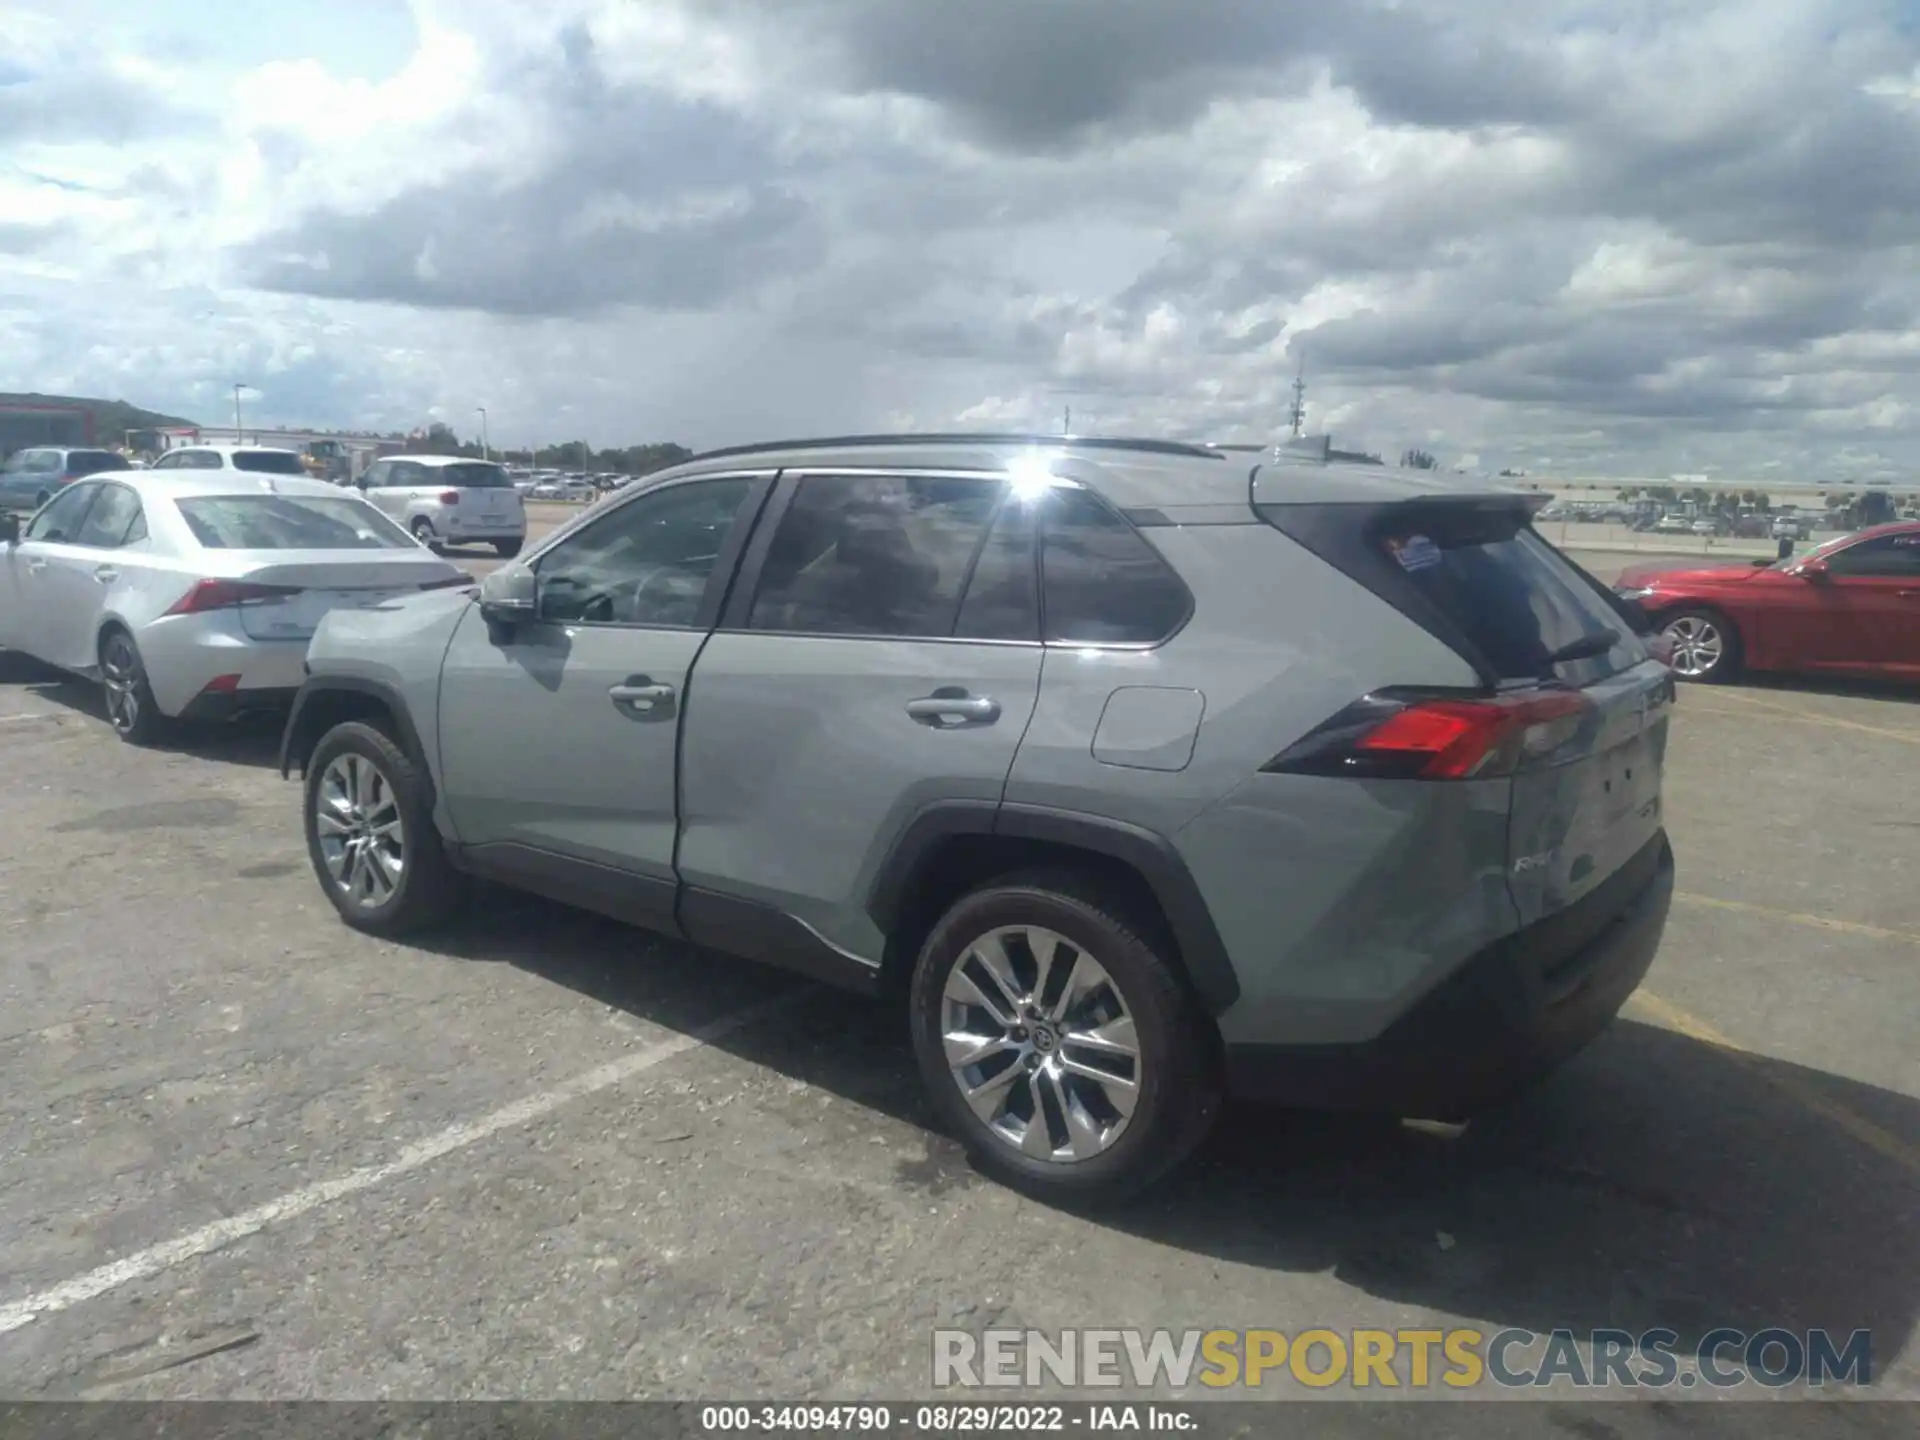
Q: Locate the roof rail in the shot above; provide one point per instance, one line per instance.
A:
(1071, 442)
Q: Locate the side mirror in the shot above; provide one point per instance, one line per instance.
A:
(9, 527)
(508, 596)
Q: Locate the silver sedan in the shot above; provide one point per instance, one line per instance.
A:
(190, 596)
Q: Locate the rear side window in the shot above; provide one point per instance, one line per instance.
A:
(876, 555)
(1101, 582)
(268, 462)
(477, 476)
(1474, 574)
(289, 522)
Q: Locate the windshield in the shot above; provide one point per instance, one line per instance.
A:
(477, 476)
(290, 522)
(268, 462)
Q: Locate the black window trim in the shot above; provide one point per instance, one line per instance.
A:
(734, 618)
(726, 566)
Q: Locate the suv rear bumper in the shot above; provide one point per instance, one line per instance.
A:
(1502, 1021)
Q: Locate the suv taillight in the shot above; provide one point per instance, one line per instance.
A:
(449, 497)
(225, 595)
(1411, 737)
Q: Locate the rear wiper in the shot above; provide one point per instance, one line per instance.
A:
(1585, 648)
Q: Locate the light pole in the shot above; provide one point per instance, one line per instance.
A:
(239, 435)
(486, 450)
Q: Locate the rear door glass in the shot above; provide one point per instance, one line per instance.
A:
(1516, 599)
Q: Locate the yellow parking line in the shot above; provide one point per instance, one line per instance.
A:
(1911, 737)
(1882, 1142)
(1800, 917)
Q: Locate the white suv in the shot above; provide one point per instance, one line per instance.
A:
(254, 459)
(449, 500)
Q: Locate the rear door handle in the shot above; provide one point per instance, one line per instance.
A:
(952, 709)
(639, 698)
(106, 574)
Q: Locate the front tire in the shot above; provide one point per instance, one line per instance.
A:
(131, 709)
(370, 833)
(506, 549)
(1706, 647)
(1059, 1042)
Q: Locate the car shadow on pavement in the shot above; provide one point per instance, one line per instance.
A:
(247, 740)
(1654, 1182)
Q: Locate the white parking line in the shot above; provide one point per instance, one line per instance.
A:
(221, 1233)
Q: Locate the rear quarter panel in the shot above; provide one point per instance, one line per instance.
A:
(1337, 901)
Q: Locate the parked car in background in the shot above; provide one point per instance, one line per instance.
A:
(448, 500)
(192, 596)
(1849, 606)
(1791, 527)
(34, 476)
(1095, 788)
(249, 459)
(1673, 525)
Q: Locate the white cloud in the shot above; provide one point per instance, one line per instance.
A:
(1622, 235)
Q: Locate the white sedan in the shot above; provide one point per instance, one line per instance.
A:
(191, 596)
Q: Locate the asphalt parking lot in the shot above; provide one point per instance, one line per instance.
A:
(252, 1154)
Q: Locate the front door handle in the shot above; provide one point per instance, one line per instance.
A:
(953, 708)
(639, 698)
(106, 574)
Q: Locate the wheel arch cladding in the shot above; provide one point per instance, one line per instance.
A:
(951, 848)
(325, 703)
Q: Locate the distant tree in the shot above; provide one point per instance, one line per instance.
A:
(1763, 502)
(1665, 494)
(1418, 460)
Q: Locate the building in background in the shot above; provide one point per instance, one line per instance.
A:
(25, 422)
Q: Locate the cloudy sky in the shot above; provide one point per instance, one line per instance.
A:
(1585, 236)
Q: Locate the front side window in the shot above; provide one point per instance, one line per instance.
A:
(111, 518)
(879, 555)
(59, 520)
(647, 563)
(1887, 557)
(289, 522)
(1101, 582)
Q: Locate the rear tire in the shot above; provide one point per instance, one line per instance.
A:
(506, 549)
(1706, 647)
(370, 833)
(423, 532)
(131, 709)
(1114, 1062)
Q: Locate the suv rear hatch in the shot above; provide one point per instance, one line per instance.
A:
(1571, 704)
(482, 493)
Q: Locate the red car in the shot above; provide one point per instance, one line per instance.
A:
(1848, 607)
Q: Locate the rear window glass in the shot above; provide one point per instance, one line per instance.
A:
(477, 476)
(1515, 598)
(92, 462)
(268, 462)
(289, 522)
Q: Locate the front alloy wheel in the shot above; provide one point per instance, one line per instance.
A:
(1699, 645)
(1041, 1044)
(360, 830)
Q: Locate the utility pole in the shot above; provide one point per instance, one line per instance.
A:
(1298, 414)
(239, 435)
(486, 450)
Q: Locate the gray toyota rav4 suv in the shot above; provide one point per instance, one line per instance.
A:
(1144, 773)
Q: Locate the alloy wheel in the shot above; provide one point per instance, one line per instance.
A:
(362, 838)
(1041, 1043)
(1698, 645)
(120, 674)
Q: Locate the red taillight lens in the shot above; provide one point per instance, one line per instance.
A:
(1390, 737)
(449, 497)
(225, 595)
